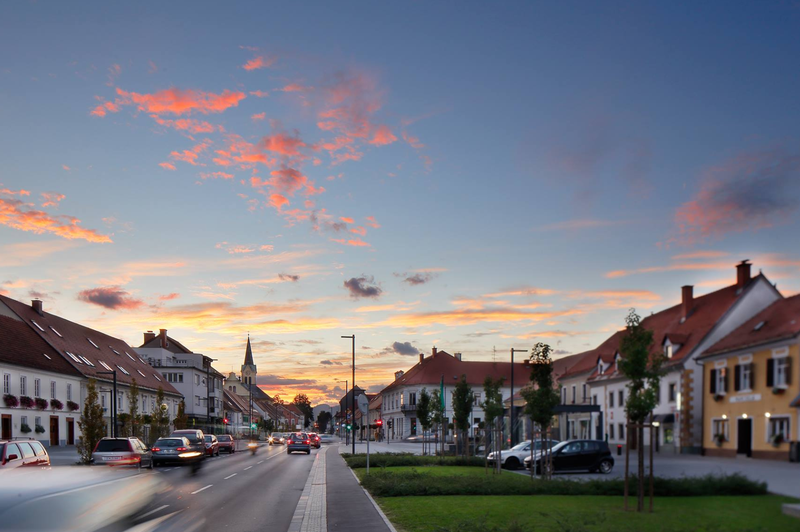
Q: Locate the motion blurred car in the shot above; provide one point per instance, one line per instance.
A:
(197, 440)
(22, 453)
(298, 442)
(122, 452)
(578, 455)
(212, 445)
(227, 443)
(166, 450)
(277, 438)
(315, 440)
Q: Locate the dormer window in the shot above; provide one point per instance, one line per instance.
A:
(668, 350)
(600, 368)
(37, 325)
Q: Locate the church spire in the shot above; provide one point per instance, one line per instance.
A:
(249, 370)
(248, 354)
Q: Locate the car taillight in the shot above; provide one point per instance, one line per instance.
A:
(306, 441)
(181, 449)
(155, 449)
(289, 442)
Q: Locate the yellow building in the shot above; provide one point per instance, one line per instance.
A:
(750, 384)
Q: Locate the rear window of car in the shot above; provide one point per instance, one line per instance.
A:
(27, 450)
(299, 436)
(191, 436)
(172, 442)
(113, 446)
(225, 438)
(209, 438)
(38, 448)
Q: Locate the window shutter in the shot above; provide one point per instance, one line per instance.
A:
(770, 372)
(725, 381)
(788, 371)
(752, 376)
(737, 378)
(712, 385)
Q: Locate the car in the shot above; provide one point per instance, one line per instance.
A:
(277, 438)
(298, 441)
(212, 445)
(177, 449)
(325, 438)
(513, 458)
(226, 443)
(22, 453)
(578, 455)
(315, 440)
(197, 440)
(122, 452)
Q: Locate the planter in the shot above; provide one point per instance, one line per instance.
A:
(777, 440)
(778, 391)
(41, 404)
(719, 439)
(39, 429)
(72, 406)
(55, 404)
(25, 429)
(26, 402)
(11, 401)
(718, 397)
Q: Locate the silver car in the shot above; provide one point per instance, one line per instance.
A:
(298, 442)
(122, 452)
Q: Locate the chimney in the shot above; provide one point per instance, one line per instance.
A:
(421, 357)
(162, 333)
(36, 305)
(742, 273)
(434, 351)
(687, 301)
(149, 336)
(458, 356)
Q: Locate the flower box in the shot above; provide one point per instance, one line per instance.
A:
(72, 406)
(41, 404)
(39, 429)
(55, 404)
(25, 428)
(11, 401)
(26, 401)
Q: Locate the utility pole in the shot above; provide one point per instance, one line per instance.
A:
(353, 389)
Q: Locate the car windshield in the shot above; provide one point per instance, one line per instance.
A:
(559, 446)
(209, 438)
(521, 446)
(113, 446)
(172, 442)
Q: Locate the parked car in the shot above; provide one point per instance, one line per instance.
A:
(197, 440)
(578, 455)
(298, 441)
(22, 453)
(226, 443)
(315, 441)
(513, 458)
(212, 445)
(122, 452)
(277, 438)
(170, 450)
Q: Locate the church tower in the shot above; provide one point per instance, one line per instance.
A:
(249, 370)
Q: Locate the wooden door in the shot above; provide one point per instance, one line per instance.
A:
(53, 431)
(744, 436)
(70, 431)
(6, 427)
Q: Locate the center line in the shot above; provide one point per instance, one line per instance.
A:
(201, 489)
(153, 511)
(248, 467)
(261, 462)
(230, 476)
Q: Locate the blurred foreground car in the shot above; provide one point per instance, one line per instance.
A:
(122, 452)
(325, 438)
(227, 443)
(22, 453)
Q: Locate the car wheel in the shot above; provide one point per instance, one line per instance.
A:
(512, 463)
(606, 466)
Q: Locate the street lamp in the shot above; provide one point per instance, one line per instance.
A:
(353, 396)
(511, 409)
(113, 401)
(208, 361)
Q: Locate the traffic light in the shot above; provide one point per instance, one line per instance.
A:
(225, 420)
(253, 425)
(389, 423)
(379, 422)
(349, 426)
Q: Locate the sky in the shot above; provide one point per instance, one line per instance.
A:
(474, 176)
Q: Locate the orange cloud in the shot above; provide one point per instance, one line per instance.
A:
(110, 297)
(372, 223)
(191, 156)
(259, 116)
(188, 124)
(471, 316)
(216, 175)
(359, 230)
(413, 141)
(169, 297)
(295, 87)
(113, 73)
(259, 62)
(356, 242)
(51, 199)
(278, 201)
(347, 220)
(181, 102)
(18, 215)
(282, 144)
(259, 94)
(382, 136)
(701, 255)
(671, 267)
(105, 108)
(166, 165)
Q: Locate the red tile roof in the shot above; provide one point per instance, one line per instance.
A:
(587, 361)
(779, 321)
(65, 337)
(20, 346)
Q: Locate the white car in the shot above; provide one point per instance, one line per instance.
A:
(513, 458)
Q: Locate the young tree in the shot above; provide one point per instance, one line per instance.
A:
(424, 414)
(181, 419)
(159, 425)
(463, 399)
(135, 420)
(493, 410)
(302, 402)
(91, 423)
(541, 399)
(437, 414)
(643, 368)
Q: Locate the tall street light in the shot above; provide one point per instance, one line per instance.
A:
(113, 401)
(511, 409)
(353, 389)
(208, 361)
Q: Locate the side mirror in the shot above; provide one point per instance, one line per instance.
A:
(12, 457)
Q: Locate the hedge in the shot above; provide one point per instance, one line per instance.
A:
(357, 461)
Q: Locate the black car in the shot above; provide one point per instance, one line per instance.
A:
(170, 450)
(580, 455)
(197, 440)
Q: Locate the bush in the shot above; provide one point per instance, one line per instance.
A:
(358, 461)
(26, 401)
(415, 483)
(41, 404)
(55, 404)
(39, 429)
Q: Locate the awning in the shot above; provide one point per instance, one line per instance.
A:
(664, 419)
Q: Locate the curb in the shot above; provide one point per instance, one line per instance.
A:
(375, 504)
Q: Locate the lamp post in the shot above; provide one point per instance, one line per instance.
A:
(353, 389)
(113, 402)
(208, 361)
(511, 408)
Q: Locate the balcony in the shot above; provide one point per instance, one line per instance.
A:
(408, 408)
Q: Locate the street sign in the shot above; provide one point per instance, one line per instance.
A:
(363, 403)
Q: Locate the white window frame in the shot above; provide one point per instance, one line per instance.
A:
(668, 349)
(721, 374)
(6, 383)
(782, 419)
(52, 389)
(23, 385)
(781, 371)
(69, 391)
(724, 423)
(37, 387)
(574, 393)
(672, 391)
(745, 378)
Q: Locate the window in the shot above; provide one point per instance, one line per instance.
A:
(119, 401)
(69, 392)
(584, 392)
(594, 399)
(157, 377)
(621, 428)
(668, 350)
(6, 383)
(23, 420)
(52, 389)
(477, 400)
(743, 377)
(129, 356)
(105, 365)
(669, 434)
(402, 399)
(86, 360)
(37, 387)
(37, 326)
(611, 431)
(611, 399)
(123, 370)
(197, 380)
(658, 396)
(412, 398)
(114, 350)
(94, 344)
(23, 385)
(778, 429)
(73, 357)
(782, 371)
(573, 393)
(671, 392)
(720, 429)
(563, 396)
(621, 394)
(45, 355)
(103, 401)
(142, 374)
(197, 400)
(55, 331)
(38, 421)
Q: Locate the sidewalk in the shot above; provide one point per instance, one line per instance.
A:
(349, 507)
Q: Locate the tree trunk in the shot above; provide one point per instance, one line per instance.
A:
(627, 460)
(640, 492)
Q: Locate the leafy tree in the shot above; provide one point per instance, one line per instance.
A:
(493, 411)
(159, 424)
(135, 421)
(323, 419)
(437, 414)
(463, 399)
(540, 396)
(181, 419)
(267, 425)
(424, 414)
(302, 402)
(643, 368)
(92, 425)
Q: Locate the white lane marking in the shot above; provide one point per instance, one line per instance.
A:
(201, 489)
(261, 462)
(230, 476)
(248, 467)
(153, 511)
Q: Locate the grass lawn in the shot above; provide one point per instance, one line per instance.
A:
(590, 513)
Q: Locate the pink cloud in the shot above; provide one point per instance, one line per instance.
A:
(259, 116)
(295, 87)
(65, 167)
(188, 124)
(216, 175)
(282, 144)
(359, 230)
(259, 62)
(259, 94)
(113, 73)
(110, 297)
(180, 102)
(278, 201)
(51, 199)
(167, 165)
(347, 220)
(382, 136)
(413, 141)
(169, 297)
(372, 223)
